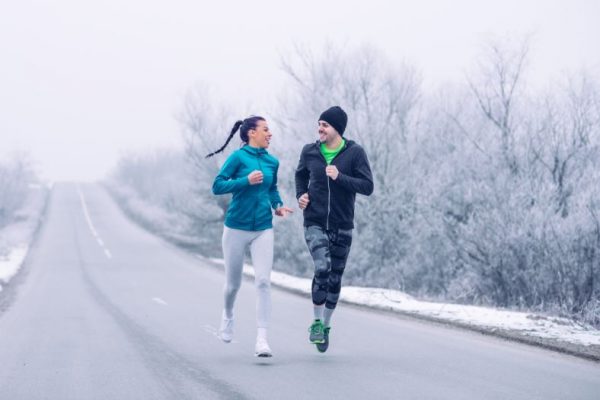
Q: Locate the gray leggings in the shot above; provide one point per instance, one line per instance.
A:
(329, 250)
(235, 242)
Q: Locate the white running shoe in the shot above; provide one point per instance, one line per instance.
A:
(226, 329)
(262, 348)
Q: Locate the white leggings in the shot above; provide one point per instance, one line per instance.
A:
(235, 242)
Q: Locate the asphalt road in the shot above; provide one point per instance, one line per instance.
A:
(104, 310)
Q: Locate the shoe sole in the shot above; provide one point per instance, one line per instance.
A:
(321, 347)
(225, 340)
(263, 355)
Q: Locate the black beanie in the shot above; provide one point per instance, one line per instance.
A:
(335, 117)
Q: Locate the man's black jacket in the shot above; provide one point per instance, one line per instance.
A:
(331, 203)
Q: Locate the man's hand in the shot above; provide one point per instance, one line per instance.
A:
(303, 201)
(283, 211)
(332, 172)
(255, 177)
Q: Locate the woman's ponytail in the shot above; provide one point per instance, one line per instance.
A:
(244, 126)
(235, 128)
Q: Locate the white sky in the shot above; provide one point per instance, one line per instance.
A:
(83, 81)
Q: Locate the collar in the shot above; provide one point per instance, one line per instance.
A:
(347, 143)
(255, 151)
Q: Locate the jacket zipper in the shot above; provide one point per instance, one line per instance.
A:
(258, 195)
(328, 202)
(328, 189)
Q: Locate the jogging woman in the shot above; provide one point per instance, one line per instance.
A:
(250, 174)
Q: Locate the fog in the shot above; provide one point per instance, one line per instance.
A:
(83, 82)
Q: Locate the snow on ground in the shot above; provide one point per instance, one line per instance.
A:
(16, 237)
(485, 317)
(11, 262)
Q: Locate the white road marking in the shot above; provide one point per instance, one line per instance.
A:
(91, 224)
(160, 301)
(87, 214)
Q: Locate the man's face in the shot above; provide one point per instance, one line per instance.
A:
(327, 133)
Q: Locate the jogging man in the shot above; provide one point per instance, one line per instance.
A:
(329, 174)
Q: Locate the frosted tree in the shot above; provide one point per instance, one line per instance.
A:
(520, 216)
(204, 127)
(15, 176)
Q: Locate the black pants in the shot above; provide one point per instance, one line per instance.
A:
(329, 250)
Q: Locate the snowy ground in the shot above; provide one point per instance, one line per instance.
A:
(11, 262)
(16, 237)
(490, 319)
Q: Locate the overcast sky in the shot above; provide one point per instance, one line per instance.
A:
(82, 81)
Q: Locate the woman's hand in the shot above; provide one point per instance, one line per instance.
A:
(283, 211)
(255, 177)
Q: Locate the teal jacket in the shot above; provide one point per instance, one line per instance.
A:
(251, 205)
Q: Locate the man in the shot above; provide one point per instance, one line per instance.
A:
(329, 174)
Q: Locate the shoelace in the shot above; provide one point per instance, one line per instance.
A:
(262, 346)
(228, 324)
(262, 343)
(315, 328)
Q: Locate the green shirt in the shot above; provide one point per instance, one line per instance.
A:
(330, 154)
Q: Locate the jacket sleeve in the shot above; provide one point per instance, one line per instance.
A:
(274, 197)
(224, 183)
(361, 180)
(302, 175)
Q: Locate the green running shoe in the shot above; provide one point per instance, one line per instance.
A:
(316, 332)
(322, 347)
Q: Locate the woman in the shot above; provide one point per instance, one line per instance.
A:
(250, 173)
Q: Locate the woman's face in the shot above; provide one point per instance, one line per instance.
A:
(260, 136)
